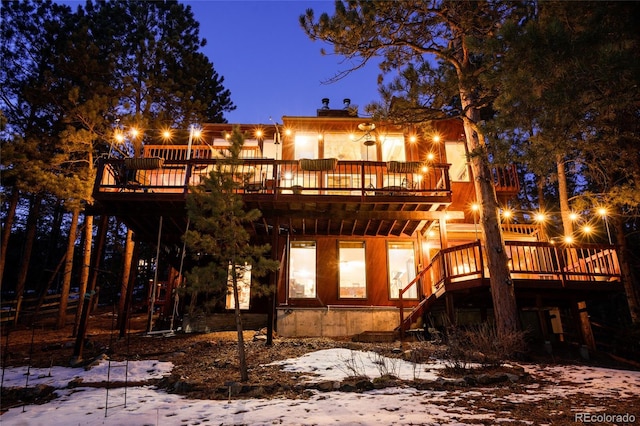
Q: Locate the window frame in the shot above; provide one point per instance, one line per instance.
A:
(292, 280)
(355, 292)
(410, 274)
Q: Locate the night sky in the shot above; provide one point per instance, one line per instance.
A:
(269, 64)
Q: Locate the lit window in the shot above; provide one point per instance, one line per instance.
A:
(302, 269)
(340, 146)
(306, 145)
(457, 157)
(402, 269)
(353, 277)
(393, 148)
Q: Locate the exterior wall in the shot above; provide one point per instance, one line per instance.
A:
(335, 321)
(327, 275)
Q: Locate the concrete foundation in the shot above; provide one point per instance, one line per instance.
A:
(335, 321)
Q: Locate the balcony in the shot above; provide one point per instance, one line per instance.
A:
(324, 177)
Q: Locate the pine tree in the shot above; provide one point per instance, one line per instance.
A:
(415, 32)
(220, 236)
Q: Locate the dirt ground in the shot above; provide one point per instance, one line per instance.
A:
(206, 366)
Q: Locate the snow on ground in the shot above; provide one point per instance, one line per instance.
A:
(392, 406)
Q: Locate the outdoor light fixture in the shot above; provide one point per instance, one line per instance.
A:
(166, 134)
(475, 207)
(369, 139)
(539, 217)
(602, 211)
(436, 140)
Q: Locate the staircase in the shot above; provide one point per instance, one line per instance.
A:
(416, 313)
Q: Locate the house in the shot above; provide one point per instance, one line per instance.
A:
(373, 225)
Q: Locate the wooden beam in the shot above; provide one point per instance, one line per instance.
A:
(363, 214)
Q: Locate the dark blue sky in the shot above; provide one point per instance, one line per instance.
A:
(270, 66)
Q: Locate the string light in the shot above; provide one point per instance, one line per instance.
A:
(602, 211)
(587, 230)
(475, 207)
(540, 217)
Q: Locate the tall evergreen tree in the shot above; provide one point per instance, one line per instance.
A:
(418, 32)
(220, 237)
(66, 78)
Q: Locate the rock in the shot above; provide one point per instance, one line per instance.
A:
(328, 386)
(182, 386)
(364, 385)
(489, 379)
(347, 387)
(513, 377)
(470, 380)
(74, 383)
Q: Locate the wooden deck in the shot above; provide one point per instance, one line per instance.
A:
(537, 269)
(325, 196)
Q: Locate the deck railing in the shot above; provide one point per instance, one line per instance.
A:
(527, 260)
(258, 175)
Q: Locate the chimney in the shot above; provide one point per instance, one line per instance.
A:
(325, 103)
(347, 103)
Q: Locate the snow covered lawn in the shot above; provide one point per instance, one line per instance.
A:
(558, 394)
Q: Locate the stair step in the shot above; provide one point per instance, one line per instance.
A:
(376, 337)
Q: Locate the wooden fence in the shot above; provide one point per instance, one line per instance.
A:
(14, 310)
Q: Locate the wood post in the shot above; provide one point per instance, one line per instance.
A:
(450, 308)
(584, 325)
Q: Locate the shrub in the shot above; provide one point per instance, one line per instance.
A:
(481, 344)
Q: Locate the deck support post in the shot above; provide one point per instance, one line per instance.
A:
(450, 308)
(154, 289)
(128, 298)
(273, 281)
(584, 325)
(542, 318)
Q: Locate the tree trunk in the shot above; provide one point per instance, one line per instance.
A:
(628, 276)
(563, 195)
(502, 293)
(126, 309)
(32, 223)
(6, 230)
(86, 266)
(244, 374)
(126, 271)
(54, 239)
(68, 268)
(88, 298)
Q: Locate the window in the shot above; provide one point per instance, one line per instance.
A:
(306, 145)
(457, 156)
(302, 269)
(340, 146)
(243, 274)
(402, 269)
(353, 277)
(393, 148)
